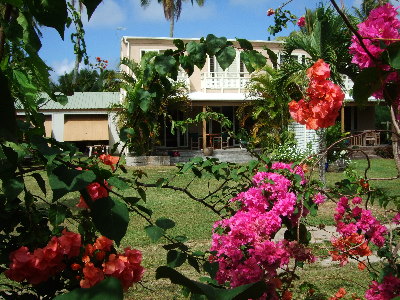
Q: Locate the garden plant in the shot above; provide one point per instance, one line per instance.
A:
(52, 248)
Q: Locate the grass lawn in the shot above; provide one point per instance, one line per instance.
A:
(195, 221)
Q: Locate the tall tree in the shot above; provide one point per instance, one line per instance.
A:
(79, 5)
(172, 10)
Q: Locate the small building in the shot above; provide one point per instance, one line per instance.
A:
(84, 120)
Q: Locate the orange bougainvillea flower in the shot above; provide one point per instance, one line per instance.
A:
(324, 99)
(110, 160)
(287, 295)
(361, 266)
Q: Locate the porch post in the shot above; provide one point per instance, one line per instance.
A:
(342, 118)
(204, 130)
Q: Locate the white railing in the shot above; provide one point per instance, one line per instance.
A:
(224, 80)
(348, 84)
(183, 77)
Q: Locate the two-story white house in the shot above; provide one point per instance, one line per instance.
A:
(211, 87)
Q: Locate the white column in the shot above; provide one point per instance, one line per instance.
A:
(57, 125)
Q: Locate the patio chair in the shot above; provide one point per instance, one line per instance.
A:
(195, 141)
(370, 139)
(221, 141)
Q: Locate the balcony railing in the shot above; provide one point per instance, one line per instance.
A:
(224, 80)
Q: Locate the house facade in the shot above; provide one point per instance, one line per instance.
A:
(222, 91)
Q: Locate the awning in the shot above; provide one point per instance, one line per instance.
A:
(86, 127)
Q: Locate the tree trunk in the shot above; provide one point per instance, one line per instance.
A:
(8, 129)
(171, 27)
(395, 138)
(76, 67)
(322, 148)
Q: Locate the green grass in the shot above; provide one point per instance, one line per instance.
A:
(195, 221)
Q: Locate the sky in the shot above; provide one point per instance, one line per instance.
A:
(114, 19)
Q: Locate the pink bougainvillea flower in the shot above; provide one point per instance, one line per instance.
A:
(301, 22)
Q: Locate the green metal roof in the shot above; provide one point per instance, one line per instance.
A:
(84, 101)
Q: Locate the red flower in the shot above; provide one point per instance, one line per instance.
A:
(95, 191)
(270, 12)
(92, 276)
(103, 243)
(109, 160)
(301, 22)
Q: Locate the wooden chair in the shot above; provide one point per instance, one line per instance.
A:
(370, 139)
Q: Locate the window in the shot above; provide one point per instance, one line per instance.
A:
(144, 51)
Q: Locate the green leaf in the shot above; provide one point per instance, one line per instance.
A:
(110, 217)
(164, 64)
(179, 44)
(211, 268)
(165, 223)
(368, 81)
(214, 44)
(187, 64)
(245, 44)
(273, 57)
(197, 53)
(57, 214)
(145, 99)
(248, 291)
(50, 13)
(110, 289)
(244, 57)
(91, 6)
(62, 99)
(8, 162)
(24, 82)
(257, 60)
(12, 187)
(17, 3)
(154, 232)
(125, 134)
(225, 57)
(142, 193)
(392, 55)
(40, 181)
(175, 258)
(118, 183)
(64, 180)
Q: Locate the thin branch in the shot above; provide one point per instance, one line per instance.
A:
(353, 30)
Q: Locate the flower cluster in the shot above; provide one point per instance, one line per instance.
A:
(325, 98)
(101, 64)
(357, 227)
(388, 289)
(243, 245)
(45, 262)
(98, 261)
(109, 160)
(96, 191)
(381, 25)
(96, 264)
(339, 294)
(301, 22)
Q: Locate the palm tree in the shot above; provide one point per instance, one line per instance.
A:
(325, 36)
(172, 10)
(366, 7)
(77, 57)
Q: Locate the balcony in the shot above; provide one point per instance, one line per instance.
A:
(222, 81)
